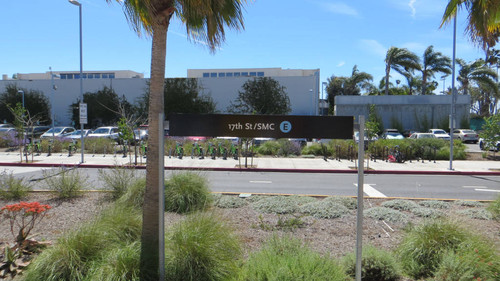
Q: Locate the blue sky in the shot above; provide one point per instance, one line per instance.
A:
(305, 34)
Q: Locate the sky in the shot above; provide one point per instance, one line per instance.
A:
(332, 36)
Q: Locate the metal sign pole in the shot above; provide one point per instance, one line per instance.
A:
(359, 215)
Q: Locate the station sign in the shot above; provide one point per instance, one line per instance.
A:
(270, 126)
(83, 113)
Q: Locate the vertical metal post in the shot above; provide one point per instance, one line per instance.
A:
(359, 213)
(453, 91)
(161, 198)
(81, 78)
(52, 105)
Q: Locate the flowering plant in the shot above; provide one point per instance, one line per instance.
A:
(24, 215)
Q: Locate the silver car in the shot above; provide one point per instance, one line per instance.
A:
(466, 135)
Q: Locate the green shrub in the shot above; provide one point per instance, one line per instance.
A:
(435, 204)
(202, 247)
(269, 148)
(288, 148)
(494, 208)
(12, 188)
(117, 180)
(121, 263)
(56, 146)
(427, 212)
(324, 209)
(480, 214)
(423, 247)
(186, 192)
(134, 196)
(288, 259)
(400, 204)
(281, 204)
(100, 145)
(317, 149)
(382, 213)
(65, 183)
(348, 202)
(466, 203)
(75, 252)
(227, 201)
(376, 265)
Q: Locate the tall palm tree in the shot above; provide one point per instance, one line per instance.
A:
(432, 63)
(476, 73)
(402, 61)
(205, 20)
(347, 86)
(484, 20)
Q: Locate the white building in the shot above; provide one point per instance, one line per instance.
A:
(223, 85)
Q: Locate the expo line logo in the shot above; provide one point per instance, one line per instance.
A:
(286, 126)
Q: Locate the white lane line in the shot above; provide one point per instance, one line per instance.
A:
(473, 186)
(261, 182)
(490, 190)
(369, 190)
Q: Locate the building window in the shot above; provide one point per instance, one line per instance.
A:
(112, 75)
(90, 76)
(206, 74)
(236, 74)
(213, 74)
(222, 74)
(229, 74)
(253, 74)
(105, 75)
(97, 75)
(63, 76)
(260, 74)
(76, 76)
(244, 74)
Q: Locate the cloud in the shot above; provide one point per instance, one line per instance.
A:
(412, 7)
(340, 8)
(340, 63)
(373, 46)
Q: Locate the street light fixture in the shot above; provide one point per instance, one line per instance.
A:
(76, 3)
(21, 92)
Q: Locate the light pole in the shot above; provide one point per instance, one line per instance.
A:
(21, 92)
(76, 3)
(453, 91)
(52, 105)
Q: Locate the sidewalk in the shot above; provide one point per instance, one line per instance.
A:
(313, 165)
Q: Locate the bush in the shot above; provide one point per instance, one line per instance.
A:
(423, 247)
(399, 204)
(269, 148)
(466, 203)
(348, 202)
(288, 148)
(427, 212)
(317, 149)
(120, 263)
(494, 208)
(65, 183)
(77, 252)
(186, 192)
(226, 201)
(100, 145)
(12, 188)
(134, 196)
(118, 180)
(287, 259)
(281, 204)
(435, 204)
(480, 214)
(202, 247)
(382, 213)
(376, 265)
(324, 209)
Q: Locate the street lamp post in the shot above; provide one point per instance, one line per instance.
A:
(52, 106)
(76, 3)
(21, 92)
(453, 91)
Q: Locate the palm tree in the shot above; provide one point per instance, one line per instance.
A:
(204, 20)
(484, 20)
(402, 61)
(433, 62)
(347, 86)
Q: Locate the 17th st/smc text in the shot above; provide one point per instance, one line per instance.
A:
(252, 126)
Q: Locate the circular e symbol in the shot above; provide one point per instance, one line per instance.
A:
(286, 126)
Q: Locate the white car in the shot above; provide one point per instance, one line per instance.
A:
(57, 132)
(77, 134)
(422, 136)
(440, 134)
(483, 144)
(105, 132)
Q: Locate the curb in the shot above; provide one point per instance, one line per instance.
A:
(274, 170)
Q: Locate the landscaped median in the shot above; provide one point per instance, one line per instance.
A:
(96, 235)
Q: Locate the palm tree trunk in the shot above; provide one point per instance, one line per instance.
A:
(387, 72)
(150, 240)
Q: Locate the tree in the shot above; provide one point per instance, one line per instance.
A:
(402, 61)
(491, 132)
(484, 20)
(102, 108)
(35, 103)
(348, 86)
(432, 63)
(205, 21)
(181, 95)
(262, 95)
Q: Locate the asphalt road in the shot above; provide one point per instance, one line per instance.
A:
(376, 185)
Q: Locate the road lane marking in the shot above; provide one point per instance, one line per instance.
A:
(369, 190)
(261, 182)
(473, 186)
(490, 190)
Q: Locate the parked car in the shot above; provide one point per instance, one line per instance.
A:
(392, 134)
(75, 135)
(57, 132)
(408, 133)
(483, 144)
(105, 132)
(6, 125)
(356, 137)
(423, 136)
(35, 131)
(440, 134)
(466, 135)
(259, 141)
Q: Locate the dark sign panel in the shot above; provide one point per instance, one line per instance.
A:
(271, 126)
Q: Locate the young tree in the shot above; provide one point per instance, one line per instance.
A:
(35, 103)
(23, 122)
(205, 21)
(491, 132)
(262, 95)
